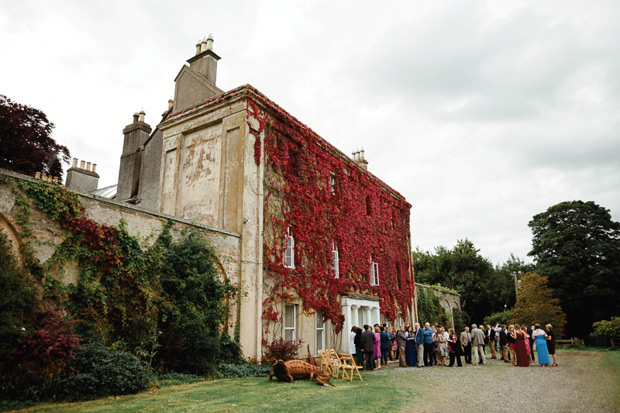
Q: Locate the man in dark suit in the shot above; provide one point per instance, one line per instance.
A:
(368, 347)
(503, 344)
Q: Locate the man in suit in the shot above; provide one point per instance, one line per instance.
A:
(401, 340)
(478, 344)
(419, 344)
(491, 339)
(466, 345)
(503, 343)
(368, 347)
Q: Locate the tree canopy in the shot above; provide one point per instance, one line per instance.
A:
(577, 246)
(536, 304)
(26, 145)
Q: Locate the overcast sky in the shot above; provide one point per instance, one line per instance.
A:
(481, 114)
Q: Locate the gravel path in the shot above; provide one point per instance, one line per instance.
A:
(578, 384)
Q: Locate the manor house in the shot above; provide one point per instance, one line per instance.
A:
(323, 244)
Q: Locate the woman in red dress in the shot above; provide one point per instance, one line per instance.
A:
(523, 359)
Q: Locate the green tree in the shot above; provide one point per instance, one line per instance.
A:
(26, 143)
(607, 328)
(577, 246)
(483, 288)
(535, 304)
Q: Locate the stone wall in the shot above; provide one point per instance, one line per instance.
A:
(449, 301)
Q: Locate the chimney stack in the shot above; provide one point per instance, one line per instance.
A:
(358, 158)
(82, 178)
(205, 61)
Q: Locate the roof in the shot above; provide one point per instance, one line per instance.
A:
(106, 192)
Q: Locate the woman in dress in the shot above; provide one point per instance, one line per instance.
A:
(512, 339)
(394, 346)
(523, 359)
(352, 348)
(410, 354)
(541, 345)
(442, 344)
(551, 343)
(435, 346)
(527, 343)
(377, 352)
(454, 348)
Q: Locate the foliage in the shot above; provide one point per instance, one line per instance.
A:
(535, 304)
(101, 372)
(501, 317)
(577, 246)
(171, 379)
(281, 349)
(461, 319)
(483, 288)
(233, 371)
(609, 329)
(26, 144)
(300, 168)
(429, 308)
(36, 365)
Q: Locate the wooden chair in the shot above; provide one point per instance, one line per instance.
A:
(349, 364)
(334, 362)
(325, 363)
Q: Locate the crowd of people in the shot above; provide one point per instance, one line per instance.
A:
(433, 345)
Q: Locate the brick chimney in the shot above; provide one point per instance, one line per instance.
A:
(135, 134)
(83, 178)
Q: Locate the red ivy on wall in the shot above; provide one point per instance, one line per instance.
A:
(298, 195)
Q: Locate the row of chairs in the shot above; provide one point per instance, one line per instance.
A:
(343, 365)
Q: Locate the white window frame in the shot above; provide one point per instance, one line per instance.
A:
(336, 260)
(332, 183)
(374, 273)
(293, 328)
(320, 327)
(289, 252)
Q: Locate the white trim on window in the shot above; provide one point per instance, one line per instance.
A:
(374, 272)
(320, 331)
(336, 260)
(290, 322)
(289, 253)
(332, 183)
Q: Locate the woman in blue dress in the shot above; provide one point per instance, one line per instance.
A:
(410, 355)
(541, 345)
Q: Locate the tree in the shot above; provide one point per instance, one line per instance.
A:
(483, 289)
(607, 328)
(577, 246)
(535, 304)
(26, 145)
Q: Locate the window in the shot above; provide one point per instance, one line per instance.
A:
(335, 259)
(320, 331)
(289, 253)
(332, 183)
(290, 322)
(374, 272)
(368, 206)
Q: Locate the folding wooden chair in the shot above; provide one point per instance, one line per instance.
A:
(325, 362)
(348, 363)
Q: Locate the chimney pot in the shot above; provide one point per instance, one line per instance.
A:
(94, 167)
(203, 45)
(135, 117)
(88, 166)
(198, 47)
(141, 116)
(75, 162)
(37, 175)
(82, 164)
(44, 176)
(210, 42)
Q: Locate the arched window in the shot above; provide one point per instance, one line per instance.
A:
(289, 253)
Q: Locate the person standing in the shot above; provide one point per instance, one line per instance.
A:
(478, 345)
(393, 344)
(503, 343)
(466, 345)
(529, 332)
(491, 340)
(419, 344)
(377, 350)
(368, 347)
(352, 348)
(359, 355)
(541, 346)
(410, 357)
(401, 337)
(385, 346)
(523, 358)
(551, 343)
(512, 339)
(454, 348)
(428, 345)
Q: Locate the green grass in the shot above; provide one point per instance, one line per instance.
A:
(611, 362)
(255, 394)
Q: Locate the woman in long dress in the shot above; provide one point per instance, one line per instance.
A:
(541, 345)
(377, 355)
(523, 359)
(551, 343)
(527, 344)
(410, 354)
(352, 348)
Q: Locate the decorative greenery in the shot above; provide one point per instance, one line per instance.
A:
(609, 329)
(324, 198)
(281, 349)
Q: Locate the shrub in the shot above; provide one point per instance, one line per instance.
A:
(610, 329)
(230, 351)
(501, 317)
(281, 349)
(101, 372)
(231, 371)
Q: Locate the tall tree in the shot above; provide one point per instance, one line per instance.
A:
(536, 304)
(483, 289)
(577, 246)
(26, 144)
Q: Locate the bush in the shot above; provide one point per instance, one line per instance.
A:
(281, 349)
(231, 371)
(501, 317)
(101, 372)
